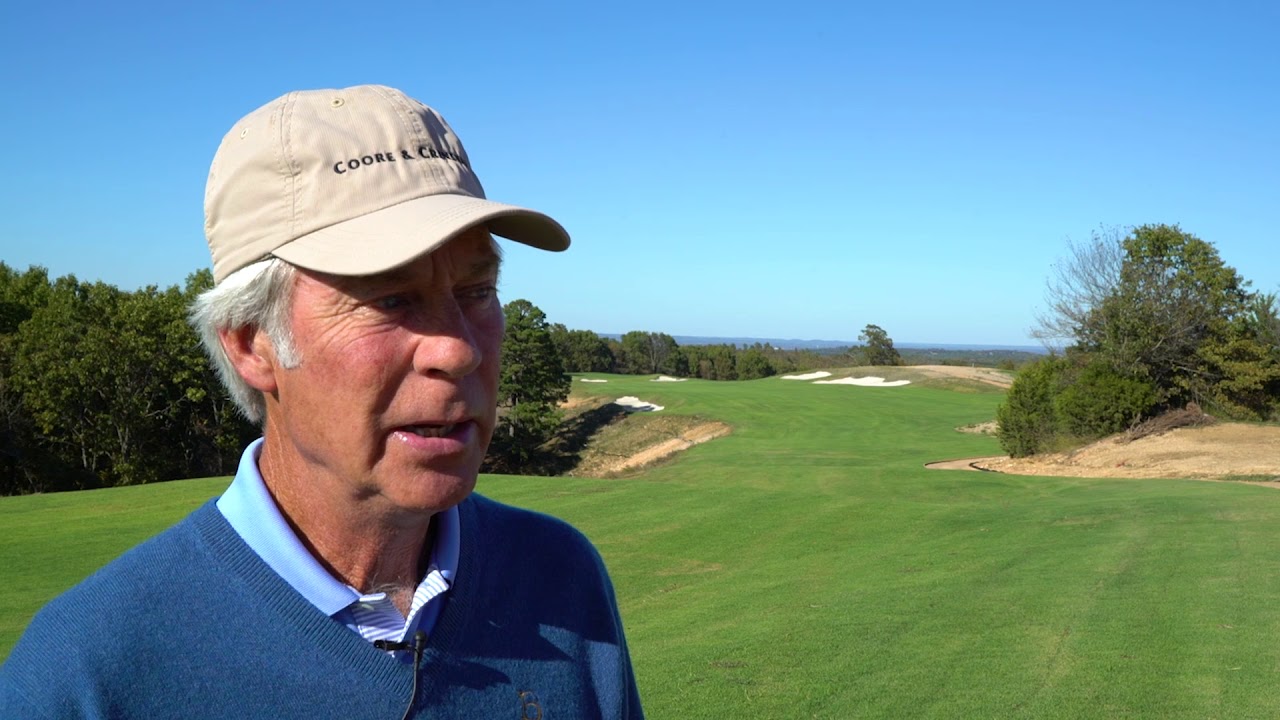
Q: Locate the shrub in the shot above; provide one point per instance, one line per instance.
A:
(1100, 401)
(1027, 418)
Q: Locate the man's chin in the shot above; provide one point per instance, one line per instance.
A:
(432, 492)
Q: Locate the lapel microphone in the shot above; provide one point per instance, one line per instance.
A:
(418, 646)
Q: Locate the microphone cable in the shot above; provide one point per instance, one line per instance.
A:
(419, 646)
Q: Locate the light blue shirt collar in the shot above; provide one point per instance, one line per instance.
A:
(251, 511)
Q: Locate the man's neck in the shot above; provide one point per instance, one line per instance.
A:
(368, 549)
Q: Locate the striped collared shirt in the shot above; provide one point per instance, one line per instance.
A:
(251, 511)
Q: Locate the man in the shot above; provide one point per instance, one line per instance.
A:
(348, 571)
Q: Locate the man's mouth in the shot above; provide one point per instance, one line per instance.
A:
(431, 431)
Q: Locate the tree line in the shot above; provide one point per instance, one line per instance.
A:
(1150, 320)
(641, 352)
(103, 387)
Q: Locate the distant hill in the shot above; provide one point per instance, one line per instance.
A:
(795, 344)
(1009, 356)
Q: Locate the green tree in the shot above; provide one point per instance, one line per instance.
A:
(1248, 377)
(877, 346)
(1178, 317)
(104, 387)
(1159, 305)
(644, 353)
(674, 363)
(1262, 320)
(615, 349)
(752, 364)
(710, 362)
(1247, 364)
(694, 356)
(108, 378)
(531, 387)
(582, 350)
(26, 464)
(1157, 321)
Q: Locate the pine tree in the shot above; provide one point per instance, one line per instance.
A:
(530, 389)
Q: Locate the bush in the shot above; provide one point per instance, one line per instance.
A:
(1063, 401)
(1100, 401)
(1027, 418)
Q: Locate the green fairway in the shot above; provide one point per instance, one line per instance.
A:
(807, 565)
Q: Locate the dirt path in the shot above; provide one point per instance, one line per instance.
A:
(693, 436)
(1235, 451)
(974, 464)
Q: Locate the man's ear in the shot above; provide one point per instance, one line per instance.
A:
(252, 355)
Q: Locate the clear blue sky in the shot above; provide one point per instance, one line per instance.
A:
(792, 170)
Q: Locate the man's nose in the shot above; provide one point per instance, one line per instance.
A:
(448, 342)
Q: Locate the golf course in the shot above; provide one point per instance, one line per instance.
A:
(807, 565)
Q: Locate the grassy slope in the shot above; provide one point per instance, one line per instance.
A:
(808, 566)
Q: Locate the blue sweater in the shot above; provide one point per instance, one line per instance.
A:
(192, 624)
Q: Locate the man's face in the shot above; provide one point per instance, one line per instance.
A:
(395, 397)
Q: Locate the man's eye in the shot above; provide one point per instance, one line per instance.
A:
(479, 294)
(391, 302)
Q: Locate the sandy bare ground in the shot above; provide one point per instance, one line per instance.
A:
(1217, 452)
(991, 376)
(687, 439)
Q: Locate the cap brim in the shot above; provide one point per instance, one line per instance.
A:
(393, 236)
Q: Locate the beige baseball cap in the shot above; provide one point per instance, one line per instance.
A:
(350, 182)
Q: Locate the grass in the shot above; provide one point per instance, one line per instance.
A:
(807, 565)
(50, 542)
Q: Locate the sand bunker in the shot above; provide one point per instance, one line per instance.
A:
(631, 403)
(667, 378)
(592, 380)
(807, 376)
(869, 381)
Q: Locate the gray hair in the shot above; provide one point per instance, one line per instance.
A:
(256, 295)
